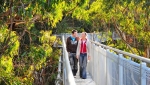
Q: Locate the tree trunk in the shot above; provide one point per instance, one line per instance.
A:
(147, 52)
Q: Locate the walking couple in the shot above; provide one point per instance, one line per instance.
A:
(78, 49)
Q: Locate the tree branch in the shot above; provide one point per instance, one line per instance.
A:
(119, 32)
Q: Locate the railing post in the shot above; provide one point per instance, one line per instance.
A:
(93, 61)
(120, 70)
(64, 77)
(143, 74)
(64, 71)
(107, 68)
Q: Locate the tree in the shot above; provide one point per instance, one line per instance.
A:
(27, 26)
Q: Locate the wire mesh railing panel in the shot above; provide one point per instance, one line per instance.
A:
(111, 68)
(147, 75)
(131, 73)
(95, 65)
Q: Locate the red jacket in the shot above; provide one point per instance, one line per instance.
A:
(83, 47)
(88, 46)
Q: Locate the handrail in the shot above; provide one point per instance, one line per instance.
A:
(123, 52)
(68, 76)
(59, 80)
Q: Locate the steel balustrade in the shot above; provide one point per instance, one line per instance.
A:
(109, 67)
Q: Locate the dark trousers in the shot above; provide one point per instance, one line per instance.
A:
(73, 63)
(83, 64)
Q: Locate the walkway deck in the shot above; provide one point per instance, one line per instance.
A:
(87, 81)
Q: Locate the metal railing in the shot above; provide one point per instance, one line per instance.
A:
(59, 80)
(68, 78)
(65, 75)
(109, 67)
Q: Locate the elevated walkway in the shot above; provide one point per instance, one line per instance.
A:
(88, 81)
(108, 66)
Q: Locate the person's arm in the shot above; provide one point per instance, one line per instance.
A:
(89, 49)
(78, 50)
(67, 44)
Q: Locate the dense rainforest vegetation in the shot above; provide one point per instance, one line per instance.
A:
(27, 55)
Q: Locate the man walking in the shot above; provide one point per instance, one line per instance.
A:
(72, 42)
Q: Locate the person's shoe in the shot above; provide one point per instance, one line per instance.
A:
(83, 78)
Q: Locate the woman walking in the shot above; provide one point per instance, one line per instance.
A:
(83, 53)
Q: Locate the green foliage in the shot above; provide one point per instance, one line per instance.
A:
(6, 69)
(9, 39)
(27, 27)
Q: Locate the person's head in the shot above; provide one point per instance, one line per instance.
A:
(83, 35)
(74, 33)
